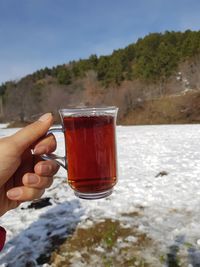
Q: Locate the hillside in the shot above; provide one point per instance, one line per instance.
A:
(152, 81)
(172, 109)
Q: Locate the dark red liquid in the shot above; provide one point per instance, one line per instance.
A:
(91, 153)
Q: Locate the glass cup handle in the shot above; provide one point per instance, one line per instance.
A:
(59, 160)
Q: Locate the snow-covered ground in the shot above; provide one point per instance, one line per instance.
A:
(159, 172)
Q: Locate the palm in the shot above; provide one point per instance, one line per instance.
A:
(26, 164)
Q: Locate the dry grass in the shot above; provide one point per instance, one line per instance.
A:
(114, 243)
(105, 244)
(167, 110)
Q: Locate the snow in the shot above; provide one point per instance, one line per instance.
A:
(169, 204)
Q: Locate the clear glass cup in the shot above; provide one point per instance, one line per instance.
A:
(90, 150)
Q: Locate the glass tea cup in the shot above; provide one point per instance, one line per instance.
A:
(90, 150)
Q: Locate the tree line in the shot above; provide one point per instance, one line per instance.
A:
(151, 58)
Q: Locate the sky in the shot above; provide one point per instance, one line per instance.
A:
(39, 33)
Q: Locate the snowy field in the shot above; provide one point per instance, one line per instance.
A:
(159, 178)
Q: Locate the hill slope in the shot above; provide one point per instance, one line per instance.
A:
(142, 74)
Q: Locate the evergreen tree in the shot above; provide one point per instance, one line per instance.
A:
(103, 67)
(64, 76)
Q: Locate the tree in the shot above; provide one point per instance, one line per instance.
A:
(2, 89)
(115, 71)
(191, 44)
(64, 76)
(22, 100)
(93, 61)
(102, 67)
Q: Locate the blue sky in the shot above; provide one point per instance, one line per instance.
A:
(39, 33)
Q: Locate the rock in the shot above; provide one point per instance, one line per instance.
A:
(162, 173)
(40, 203)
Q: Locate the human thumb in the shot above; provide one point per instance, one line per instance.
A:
(25, 137)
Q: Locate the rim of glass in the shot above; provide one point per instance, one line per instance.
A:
(88, 109)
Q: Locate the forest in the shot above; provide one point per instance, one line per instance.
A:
(153, 68)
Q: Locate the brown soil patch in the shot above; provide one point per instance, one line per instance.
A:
(106, 243)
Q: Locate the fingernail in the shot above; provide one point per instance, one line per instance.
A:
(45, 117)
(32, 179)
(14, 193)
(45, 169)
(40, 150)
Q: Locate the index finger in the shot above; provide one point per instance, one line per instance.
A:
(25, 137)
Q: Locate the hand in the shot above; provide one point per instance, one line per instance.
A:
(24, 175)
